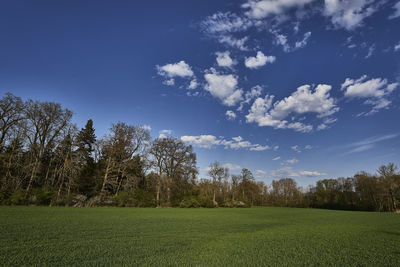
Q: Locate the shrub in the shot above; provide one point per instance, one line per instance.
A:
(42, 196)
(120, 199)
(142, 198)
(18, 197)
(190, 202)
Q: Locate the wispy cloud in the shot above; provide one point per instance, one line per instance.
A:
(367, 143)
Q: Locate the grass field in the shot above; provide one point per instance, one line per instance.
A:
(197, 237)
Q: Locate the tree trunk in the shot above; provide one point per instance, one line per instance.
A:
(106, 175)
(32, 177)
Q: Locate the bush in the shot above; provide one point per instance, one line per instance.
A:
(42, 196)
(190, 202)
(18, 197)
(206, 202)
(142, 198)
(120, 199)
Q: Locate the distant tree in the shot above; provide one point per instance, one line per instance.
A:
(11, 113)
(390, 181)
(218, 173)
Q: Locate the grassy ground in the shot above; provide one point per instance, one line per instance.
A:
(197, 237)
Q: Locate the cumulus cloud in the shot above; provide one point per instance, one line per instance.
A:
(173, 70)
(348, 14)
(258, 61)
(375, 90)
(265, 112)
(396, 13)
(223, 87)
(235, 143)
(193, 84)
(224, 59)
(261, 9)
(230, 115)
(180, 69)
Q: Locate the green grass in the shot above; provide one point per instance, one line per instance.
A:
(197, 237)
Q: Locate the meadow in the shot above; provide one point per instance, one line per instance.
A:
(54, 236)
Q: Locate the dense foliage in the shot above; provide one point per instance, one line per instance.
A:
(46, 160)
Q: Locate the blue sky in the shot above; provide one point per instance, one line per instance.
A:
(306, 89)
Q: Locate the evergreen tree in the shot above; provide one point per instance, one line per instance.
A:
(85, 140)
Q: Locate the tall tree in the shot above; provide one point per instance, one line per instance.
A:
(85, 142)
(175, 162)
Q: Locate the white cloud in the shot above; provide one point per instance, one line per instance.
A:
(250, 95)
(276, 158)
(222, 26)
(276, 148)
(397, 47)
(325, 124)
(308, 147)
(371, 50)
(146, 127)
(225, 23)
(292, 161)
(209, 141)
(396, 13)
(223, 87)
(260, 148)
(348, 14)
(224, 59)
(282, 40)
(258, 61)
(234, 42)
(311, 173)
(303, 43)
(265, 8)
(232, 167)
(171, 71)
(304, 100)
(164, 133)
(296, 148)
(260, 173)
(193, 84)
(289, 172)
(367, 143)
(230, 115)
(375, 90)
(180, 69)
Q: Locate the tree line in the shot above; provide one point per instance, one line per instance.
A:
(46, 160)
